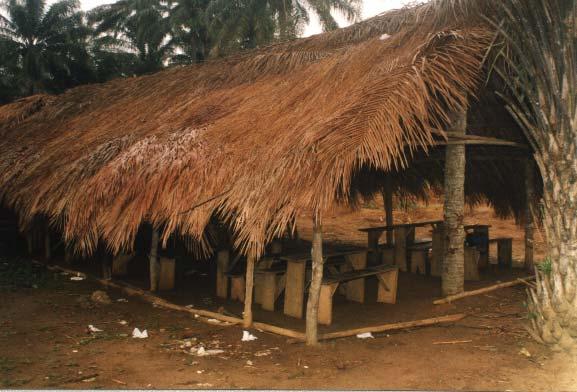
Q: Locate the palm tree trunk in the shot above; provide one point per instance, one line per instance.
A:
(553, 304)
(453, 273)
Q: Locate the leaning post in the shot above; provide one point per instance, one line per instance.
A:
(453, 272)
(315, 287)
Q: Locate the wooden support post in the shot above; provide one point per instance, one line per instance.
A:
(295, 288)
(47, 245)
(120, 264)
(388, 282)
(68, 254)
(153, 260)
(222, 261)
(505, 252)
(388, 200)
(401, 247)
(166, 278)
(373, 245)
(315, 287)
(249, 284)
(268, 290)
(30, 241)
(105, 262)
(418, 261)
(276, 247)
(529, 230)
(453, 274)
(325, 311)
(355, 289)
(471, 261)
(237, 288)
(483, 248)
(438, 250)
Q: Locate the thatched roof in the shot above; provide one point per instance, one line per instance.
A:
(255, 138)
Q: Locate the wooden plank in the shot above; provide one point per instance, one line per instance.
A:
(268, 290)
(355, 289)
(222, 266)
(153, 260)
(388, 283)
(401, 233)
(237, 288)
(325, 315)
(394, 326)
(505, 252)
(120, 264)
(418, 261)
(166, 275)
(438, 249)
(294, 289)
(472, 256)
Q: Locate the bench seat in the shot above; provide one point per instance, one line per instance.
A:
(387, 292)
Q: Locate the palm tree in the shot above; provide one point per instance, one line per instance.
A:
(46, 45)
(540, 69)
(139, 26)
(246, 24)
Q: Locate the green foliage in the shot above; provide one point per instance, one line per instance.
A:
(43, 48)
(546, 266)
(47, 49)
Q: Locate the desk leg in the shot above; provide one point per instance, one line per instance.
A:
(401, 247)
(355, 289)
(294, 289)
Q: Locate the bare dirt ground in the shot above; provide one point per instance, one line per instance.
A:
(45, 342)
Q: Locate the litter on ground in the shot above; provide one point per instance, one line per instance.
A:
(138, 334)
(92, 328)
(247, 336)
(366, 335)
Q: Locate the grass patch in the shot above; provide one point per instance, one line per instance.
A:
(546, 266)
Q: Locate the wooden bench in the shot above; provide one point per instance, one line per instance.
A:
(504, 251)
(419, 256)
(296, 274)
(271, 284)
(387, 293)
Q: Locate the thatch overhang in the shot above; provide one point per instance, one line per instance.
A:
(254, 138)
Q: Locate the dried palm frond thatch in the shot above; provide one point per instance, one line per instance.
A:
(253, 138)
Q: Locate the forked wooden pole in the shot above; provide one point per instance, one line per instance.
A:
(315, 287)
(249, 288)
(153, 260)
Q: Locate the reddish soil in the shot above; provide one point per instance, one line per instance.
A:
(44, 341)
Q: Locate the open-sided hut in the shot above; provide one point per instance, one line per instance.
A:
(260, 136)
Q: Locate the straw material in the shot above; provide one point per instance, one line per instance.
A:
(254, 138)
